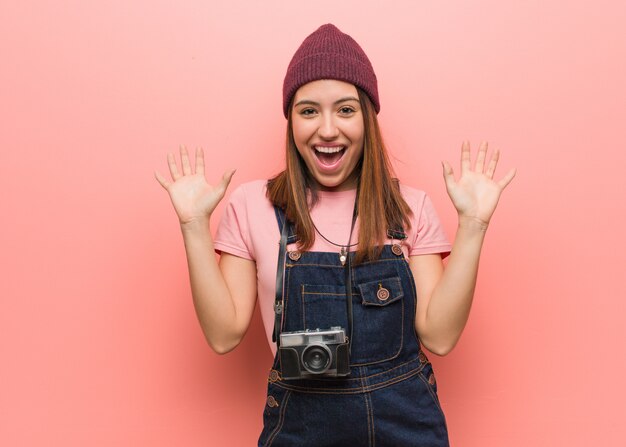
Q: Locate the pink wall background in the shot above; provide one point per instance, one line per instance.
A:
(98, 338)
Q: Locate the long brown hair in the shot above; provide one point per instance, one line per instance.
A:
(377, 190)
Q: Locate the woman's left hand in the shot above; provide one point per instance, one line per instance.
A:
(475, 195)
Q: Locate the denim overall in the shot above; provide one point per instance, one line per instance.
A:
(390, 396)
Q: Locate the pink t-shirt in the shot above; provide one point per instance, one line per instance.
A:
(248, 229)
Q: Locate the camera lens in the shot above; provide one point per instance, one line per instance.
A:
(316, 358)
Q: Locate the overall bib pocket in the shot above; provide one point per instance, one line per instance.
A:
(381, 314)
(324, 306)
(378, 311)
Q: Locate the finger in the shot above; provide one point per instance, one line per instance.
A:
(448, 175)
(465, 157)
(199, 161)
(491, 168)
(226, 178)
(184, 160)
(171, 162)
(507, 178)
(164, 183)
(480, 158)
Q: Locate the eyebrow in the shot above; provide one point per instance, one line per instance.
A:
(344, 99)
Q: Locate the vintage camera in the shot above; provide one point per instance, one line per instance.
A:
(311, 353)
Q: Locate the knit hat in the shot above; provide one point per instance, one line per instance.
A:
(329, 54)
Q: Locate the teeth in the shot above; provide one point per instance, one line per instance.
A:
(329, 150)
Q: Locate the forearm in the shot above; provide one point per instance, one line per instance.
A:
(212, 299)
(451, 299)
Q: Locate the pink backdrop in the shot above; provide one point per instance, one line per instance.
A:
(99, 341)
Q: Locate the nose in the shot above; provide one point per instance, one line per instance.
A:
(328, 129)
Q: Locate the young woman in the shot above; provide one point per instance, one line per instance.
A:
(356, 284)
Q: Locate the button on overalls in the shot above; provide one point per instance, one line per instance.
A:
(390, 396)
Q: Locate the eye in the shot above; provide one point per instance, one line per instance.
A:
(345, 110)
(307, 112)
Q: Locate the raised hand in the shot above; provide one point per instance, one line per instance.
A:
(193, 198)
(475, 195)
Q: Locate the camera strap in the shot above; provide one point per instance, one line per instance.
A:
(278, 300)
(348, 271)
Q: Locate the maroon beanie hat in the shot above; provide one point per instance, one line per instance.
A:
(329, 54)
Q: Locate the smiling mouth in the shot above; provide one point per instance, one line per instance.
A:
(329, 156)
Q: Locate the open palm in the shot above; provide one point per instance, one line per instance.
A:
(192, 196)
(475, 195)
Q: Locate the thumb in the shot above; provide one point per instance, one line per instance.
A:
(226, 178)
(448, 175)
(164, 183)
(507, 178)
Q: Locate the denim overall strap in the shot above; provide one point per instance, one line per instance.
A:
(281, 219)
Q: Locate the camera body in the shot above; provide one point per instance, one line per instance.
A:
(313, 353)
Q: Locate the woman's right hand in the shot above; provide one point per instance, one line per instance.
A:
(193, 198)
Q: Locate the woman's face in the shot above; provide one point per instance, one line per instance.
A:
(328, 130)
